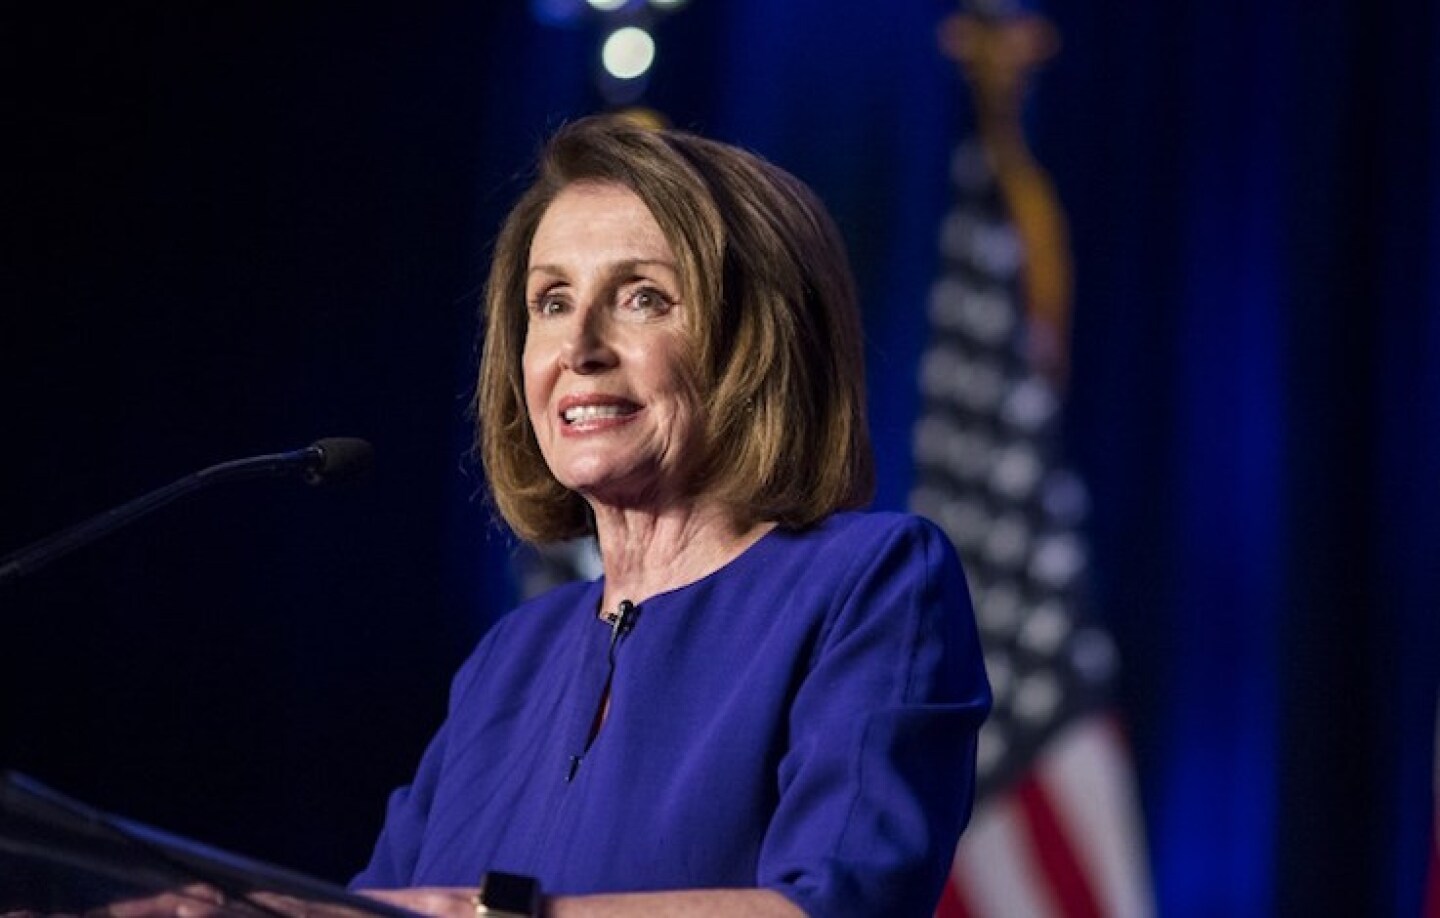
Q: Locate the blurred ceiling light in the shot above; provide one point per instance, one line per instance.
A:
(607, 6)
(560, 13)
(628, 52)
(667, 4)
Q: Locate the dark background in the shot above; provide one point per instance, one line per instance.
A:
(233, 229)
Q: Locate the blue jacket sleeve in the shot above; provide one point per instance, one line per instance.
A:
(879, 775)
(397, 850)
(393, 861)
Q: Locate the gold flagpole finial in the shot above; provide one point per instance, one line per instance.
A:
(998, 55)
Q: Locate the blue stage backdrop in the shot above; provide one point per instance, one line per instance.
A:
(234, 229)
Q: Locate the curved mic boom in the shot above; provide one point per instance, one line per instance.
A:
(328, 461)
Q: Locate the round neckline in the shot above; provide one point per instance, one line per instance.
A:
(733, 564)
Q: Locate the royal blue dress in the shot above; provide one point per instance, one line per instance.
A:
(802, 720)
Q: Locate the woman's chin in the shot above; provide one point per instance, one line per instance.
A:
(624, 492)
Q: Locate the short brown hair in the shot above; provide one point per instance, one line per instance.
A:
(777, 354)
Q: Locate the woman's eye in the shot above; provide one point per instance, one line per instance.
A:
(547, 305)
(648, 299)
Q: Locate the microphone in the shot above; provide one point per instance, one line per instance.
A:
(622, 620)
(328, 461)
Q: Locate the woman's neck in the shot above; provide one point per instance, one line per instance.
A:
(646, 553)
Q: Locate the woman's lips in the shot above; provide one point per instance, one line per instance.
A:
(586, 413)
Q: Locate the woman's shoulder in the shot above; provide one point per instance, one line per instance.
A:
(852, 547)
(529, 630)
(543, 613)
(871, 529)
(526, 636)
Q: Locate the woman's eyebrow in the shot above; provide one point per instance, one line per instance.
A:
(620, 267)
(632, 264)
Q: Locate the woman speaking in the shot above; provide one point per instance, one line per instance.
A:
(768, 703)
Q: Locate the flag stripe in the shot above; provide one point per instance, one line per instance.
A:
(1092, 789)
(993, 868)
(952, 904)
(1054, 852)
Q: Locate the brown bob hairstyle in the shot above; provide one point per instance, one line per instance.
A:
(777, 356)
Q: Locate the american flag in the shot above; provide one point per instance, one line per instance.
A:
(1056, 828)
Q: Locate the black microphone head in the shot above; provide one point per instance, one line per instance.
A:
(340, 459)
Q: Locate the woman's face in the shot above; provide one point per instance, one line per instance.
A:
(606, 385)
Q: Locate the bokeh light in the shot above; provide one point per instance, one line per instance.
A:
(628, 53)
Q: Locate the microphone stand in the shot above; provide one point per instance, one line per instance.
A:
(323, 462)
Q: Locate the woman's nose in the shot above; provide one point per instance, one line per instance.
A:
(586, 347)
